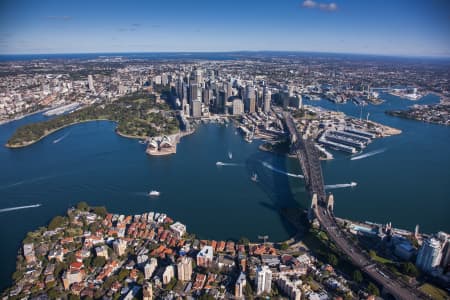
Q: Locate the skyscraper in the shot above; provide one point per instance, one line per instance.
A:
(238, 106)
(250, 99)
(196, 108)
(430, 255)
(263, 280)
(239, 286)
(194, 91)
(184, 269)
(198, 77)
(91, 83)
(267, 98)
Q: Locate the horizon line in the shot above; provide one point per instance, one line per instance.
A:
(441, 56)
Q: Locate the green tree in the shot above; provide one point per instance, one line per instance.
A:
(284, 246)
(244, 240)
(410, 269)
(373, 289)
(100, 211)
(357, 276)
(56, 222)
(332, 259)
(82, 206)
(98, 261)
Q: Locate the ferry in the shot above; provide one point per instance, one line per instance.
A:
(154, 194)
(254, 177)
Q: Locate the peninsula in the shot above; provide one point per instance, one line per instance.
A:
(138, 115)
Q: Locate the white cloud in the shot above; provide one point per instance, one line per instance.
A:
(322, 6)
(328, 7)
(309, 4)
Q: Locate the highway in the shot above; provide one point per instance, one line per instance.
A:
(308, 157)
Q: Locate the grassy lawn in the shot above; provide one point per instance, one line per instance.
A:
(434, 292)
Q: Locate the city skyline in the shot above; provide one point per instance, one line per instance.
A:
(400, 28)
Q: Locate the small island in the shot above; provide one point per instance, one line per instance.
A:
(139, 115)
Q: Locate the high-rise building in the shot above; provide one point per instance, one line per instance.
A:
(150, 268)
(196, 108)
(250, 99)
(194, 92)
(91, 83)
(430, 255)
(120, 247)
(238, 106)
(147, 293)
(239, 286)
(168, 275)
(198, 77)
(184, 269)
(263, 280)
(267, 98)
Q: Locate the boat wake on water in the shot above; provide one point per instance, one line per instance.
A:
(61, 138)
(19, 207)
(368, 154)
(270, 167)
(220, 164)
(340, 185)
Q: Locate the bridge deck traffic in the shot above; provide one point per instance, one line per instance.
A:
(308, 157)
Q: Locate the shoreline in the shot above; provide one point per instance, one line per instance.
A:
(24, 116)
(7, 145)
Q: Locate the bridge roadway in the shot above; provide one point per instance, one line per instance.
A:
(309, 160)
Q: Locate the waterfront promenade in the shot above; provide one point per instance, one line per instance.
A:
(311, 167)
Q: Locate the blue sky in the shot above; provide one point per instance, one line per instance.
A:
(388, 27)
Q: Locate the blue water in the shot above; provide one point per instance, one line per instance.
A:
(407, 184)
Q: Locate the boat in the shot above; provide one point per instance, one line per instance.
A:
(219, 163)
(154, 194)
(352, 184)
(230, 155)
(254, 177)
(142, 142)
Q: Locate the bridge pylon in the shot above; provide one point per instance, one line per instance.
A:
(311, 211)
(330, 202)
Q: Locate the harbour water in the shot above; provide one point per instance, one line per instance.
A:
(406, 184)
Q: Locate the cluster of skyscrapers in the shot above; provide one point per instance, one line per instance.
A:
(200, 92)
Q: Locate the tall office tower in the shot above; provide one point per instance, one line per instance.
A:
(147, 293)
(239, 286)
(296, 101)
(259, 98)
(228, 88)
(164, 79)
(430, 255)
(238, 106)
(185, 92)
(267, 98)
(179, 86)
(194, 91)
(223, 102)
(198, 77)
(184, 269)
(206, 96)
(91, 83)
(263, 280)
(196, 108)
(250, 99)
